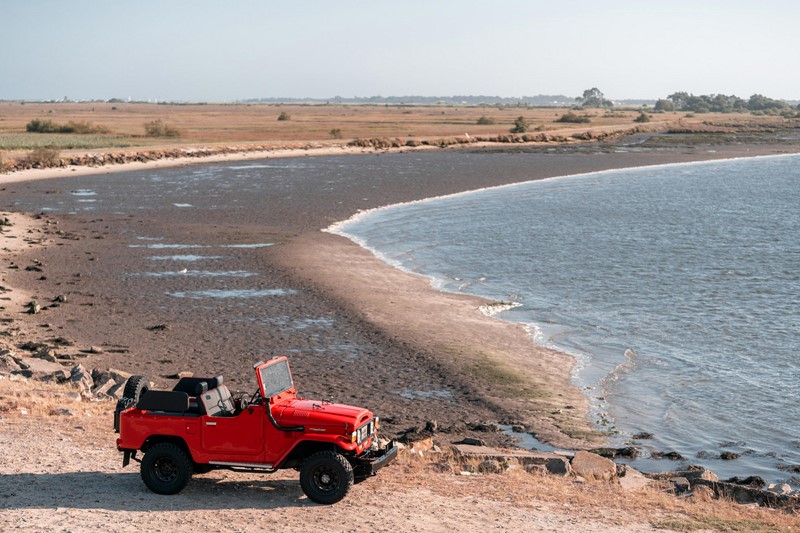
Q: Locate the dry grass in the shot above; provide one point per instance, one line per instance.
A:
(218, 123)
(20, 397)
(654, 504)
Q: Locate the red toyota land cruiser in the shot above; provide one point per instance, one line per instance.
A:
(197, 426)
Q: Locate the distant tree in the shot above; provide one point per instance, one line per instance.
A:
(643, 117)
(520, 125)
(678, 99)
(336, 133)
(760, 102)
(593, 98)
(485, 121)
(284, 116)
(664, 105)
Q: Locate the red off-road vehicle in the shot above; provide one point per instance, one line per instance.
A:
(198, 426)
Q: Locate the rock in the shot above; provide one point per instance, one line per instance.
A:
(62, 412)
(702, 493)
(93, 350)
(696, 473)
(33, 307)
(672, 456)
(102, 386)
(47, 354)
(40, 369)
(81, 378)
(593, 467)
(536, 469)
(472, 442)
(431, 426)
(749, 481)
(558, 466)
(612, 453)
(631, 479)
(117, 375)
(729, 456)
(424, 445)
(490, 466)
(180, 375)
(8, 364)
(442, 468)
(60, 299)
(782, 489)
(680, 485)
(33, 346)
(116, 391)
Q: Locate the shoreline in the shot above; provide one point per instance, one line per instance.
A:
(560, 409)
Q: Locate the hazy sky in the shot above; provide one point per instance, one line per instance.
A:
(218, 50)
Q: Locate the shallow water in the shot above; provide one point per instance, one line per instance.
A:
(675, 287)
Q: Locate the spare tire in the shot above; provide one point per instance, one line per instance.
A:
(135, 388)
(122, 404)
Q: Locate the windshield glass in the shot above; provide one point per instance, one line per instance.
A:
(276, 378)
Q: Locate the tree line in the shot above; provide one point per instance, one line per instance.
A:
(721, 103)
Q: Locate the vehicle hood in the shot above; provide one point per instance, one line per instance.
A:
(298, 412)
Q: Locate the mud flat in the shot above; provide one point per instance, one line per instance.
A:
(356, 329)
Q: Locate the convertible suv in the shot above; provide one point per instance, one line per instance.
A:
(198, 426)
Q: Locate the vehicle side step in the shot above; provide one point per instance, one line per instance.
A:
(254, 466)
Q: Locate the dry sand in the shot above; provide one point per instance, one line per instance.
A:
(62, 473)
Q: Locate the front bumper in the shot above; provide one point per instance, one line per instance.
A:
(368, 464)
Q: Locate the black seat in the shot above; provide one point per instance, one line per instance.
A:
(192, 386)
(164, 400)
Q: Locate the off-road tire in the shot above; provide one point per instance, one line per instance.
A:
(122, 404)
(166, 468)
(326, 477)
(135, 387)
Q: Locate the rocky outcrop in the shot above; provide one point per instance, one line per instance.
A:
(591, 466)
(42, 366)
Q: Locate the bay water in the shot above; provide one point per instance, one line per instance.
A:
(676, 288)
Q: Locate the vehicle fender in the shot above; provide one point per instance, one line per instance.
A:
(312, 444)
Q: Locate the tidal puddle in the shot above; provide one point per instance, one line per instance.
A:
(160, 246)
(287, 323)
(528, 441)
(234, 293)
(183, 205)
(415, 394)
(83, 192)
(187, 257)
(255, 245)
(201, 273)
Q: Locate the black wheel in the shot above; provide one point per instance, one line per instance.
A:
(326, 477)
(166, 468)
(135, 387)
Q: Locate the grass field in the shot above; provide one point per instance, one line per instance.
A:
(258, 123)
(217, 123)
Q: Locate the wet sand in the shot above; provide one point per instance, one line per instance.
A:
(356, 330)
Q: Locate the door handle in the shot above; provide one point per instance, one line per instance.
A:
(211, 423)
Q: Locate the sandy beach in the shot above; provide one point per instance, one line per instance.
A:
(414, 345)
